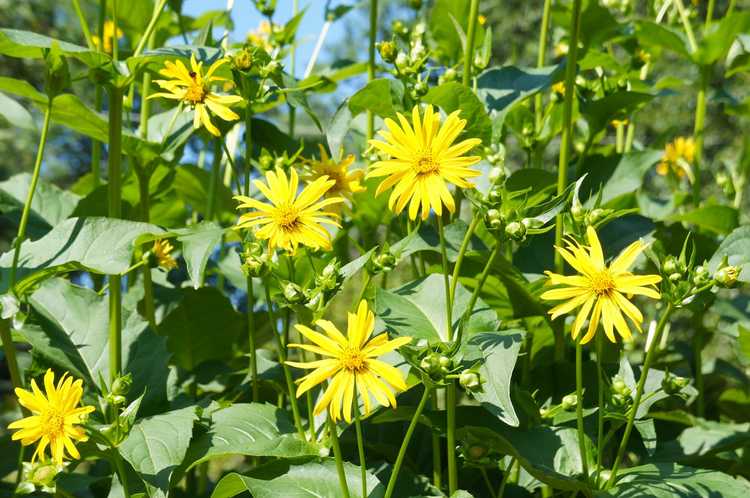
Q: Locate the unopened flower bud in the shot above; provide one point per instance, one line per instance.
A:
(578, 211)
(673, 384)
(328, 279)
(495, 196)
(450, 74)
(672, 265)
(420, 88)
(469, 380)
(402, 62)
(388, 51)
(270, 69)
(569, 402)
(596, 215)
(516, 230)
(620, 387)
(727, 276)
(242, 60)
(494, 220)
(121, 385)
(399, 28)
(293, 293)
(701, 276)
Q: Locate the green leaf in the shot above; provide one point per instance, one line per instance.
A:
(659, 36)
(192, 184)
(157, 445)
(16, 114)
(715, 218)
(417, 309)
(669, 480)
(198, 242)
(309, 480)
(29, 45)
(382, 96)
(454, 96)
(736, 248)
(617, 176)
(427, 239)
(497, 352)
(253, 429)
(50, 206)
(443, 31)
(188, 327)
(600, 112)
(720, 37)
(99, 245)
(705, 439)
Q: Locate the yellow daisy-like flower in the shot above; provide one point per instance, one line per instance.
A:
(54, 417)
(559, 88)
(261, 37)
(678, 158)
(162, 251)
(600, 290)
(350, 362)
(616, 123)
(109, 37)
(347, 182)
(422, 158)
(290, 219)
(193, 89)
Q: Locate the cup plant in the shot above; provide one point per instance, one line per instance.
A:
(504, 280)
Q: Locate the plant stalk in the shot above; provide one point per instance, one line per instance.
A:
(339, 458)
(360, 448)
(149, 28)
(114, 210)
(470, 37)
(371, 61)
(213, 187)
(540, 60)
(84, 25)
(579, 410)
(600, 411)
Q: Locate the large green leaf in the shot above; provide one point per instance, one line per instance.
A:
(381, 96)
(188, 327)
(600, 112)
(30, 45)
(99, 245)
(310, 480)
(50, 205)
(497, 352)
(714, 218)
(198, 242)
(156, 446)
(669, 480)
(454, 96)
(618, 175)
(418, 310)
(15, 114)
(706, 438)
(443, 18)
(655, 35)
(253, 429)
(736, 248)
(427, 239)
(720, 37)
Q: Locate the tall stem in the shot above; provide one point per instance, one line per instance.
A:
(21, 235)
(121, 473)
(360, 448)
(10, 353)
(84, 24)
(461, 253)
(600, 410)
(579, 410)
(213, 187)
(405, 442)
(446, 280)
(450, 416)
(477, 290)
(150, 28)
(470, 37)
(115, 207)
(698, 131)
(281, 347)
(371, 61)
(437, 464)
(652, 347)
(251, 336)
(339, 458)
(540, 60)
(293, 72)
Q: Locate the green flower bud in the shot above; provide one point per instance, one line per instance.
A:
(450, 74)
(546, 412)
(727, 276)
(388, 51)
(494, 220)
(673, 384)
(121, 385)
(399, 28)
(497, 174)
(672, 265)
(266, 7)
(569, 402)
(578, 211)
(293, 293)
(329, 279)
(420, 88)
(243, 60)
(495, 196)
(701, 276)
(619, 386)
(596, 215)
(469, 380)
(270, 69)
(516, 230)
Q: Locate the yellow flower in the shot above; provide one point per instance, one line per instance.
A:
(559, 88)
(290, 219)
(422, 158)
(347, 183)
(600, 290)
(162, 250)
(350, 362)
(678, 158)
(193, 88)
(482, 19)
(54, 417)
(561, 48)
(261, 37)
(109, 37)
(616, 123)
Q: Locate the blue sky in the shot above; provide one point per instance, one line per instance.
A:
(247, 18)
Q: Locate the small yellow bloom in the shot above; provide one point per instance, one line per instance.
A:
(54, 418)
(422, 159)
(290, 219)
(559, 88)
(350, 362)
(561, 48)
(678, 158)
(109, 37)
(162, 250)
(600, 290)
(616, 123)
(347, 182)
(193, 89)
(261, 37)
(482, 19)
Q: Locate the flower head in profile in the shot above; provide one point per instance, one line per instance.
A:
(193, 88)
(422, 160)
(290, 220)
(678, 158)
(350, 363)
(261, 37)
(162, 251)
(600, 291)
(346, 182)
(54, 417)
(108, 34)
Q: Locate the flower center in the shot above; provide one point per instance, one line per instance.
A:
(353, 360)
(602, 283)
(287, 217)
(53, 422)
(196, 93)
(426, 164)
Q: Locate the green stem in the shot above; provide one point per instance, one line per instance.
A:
(709, 14)
(437, 465)
(281, 347)
(700, 404)
(579, 410)
(405, 442)
(21, 235)
(446, 280)
(461, 253)
(506, 477)
(487, 482)
(339, 458)
(360, 449)
(540, 60)
(115, 45)
(248, 147)
(620, 143)
(150, 28)
(629, 137)
(698, 131)
(478, 289)
(148, 286)
(293, 72)
(470, 37)
(96, 145)
(600, 411)
(114, 210)
(653, 346)
(213, 187)
(84, 24)
(567, 129)
(251, 336)
(10, 353)
(686, 25)
(121, 473)
(371, 61)
(450, 414)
